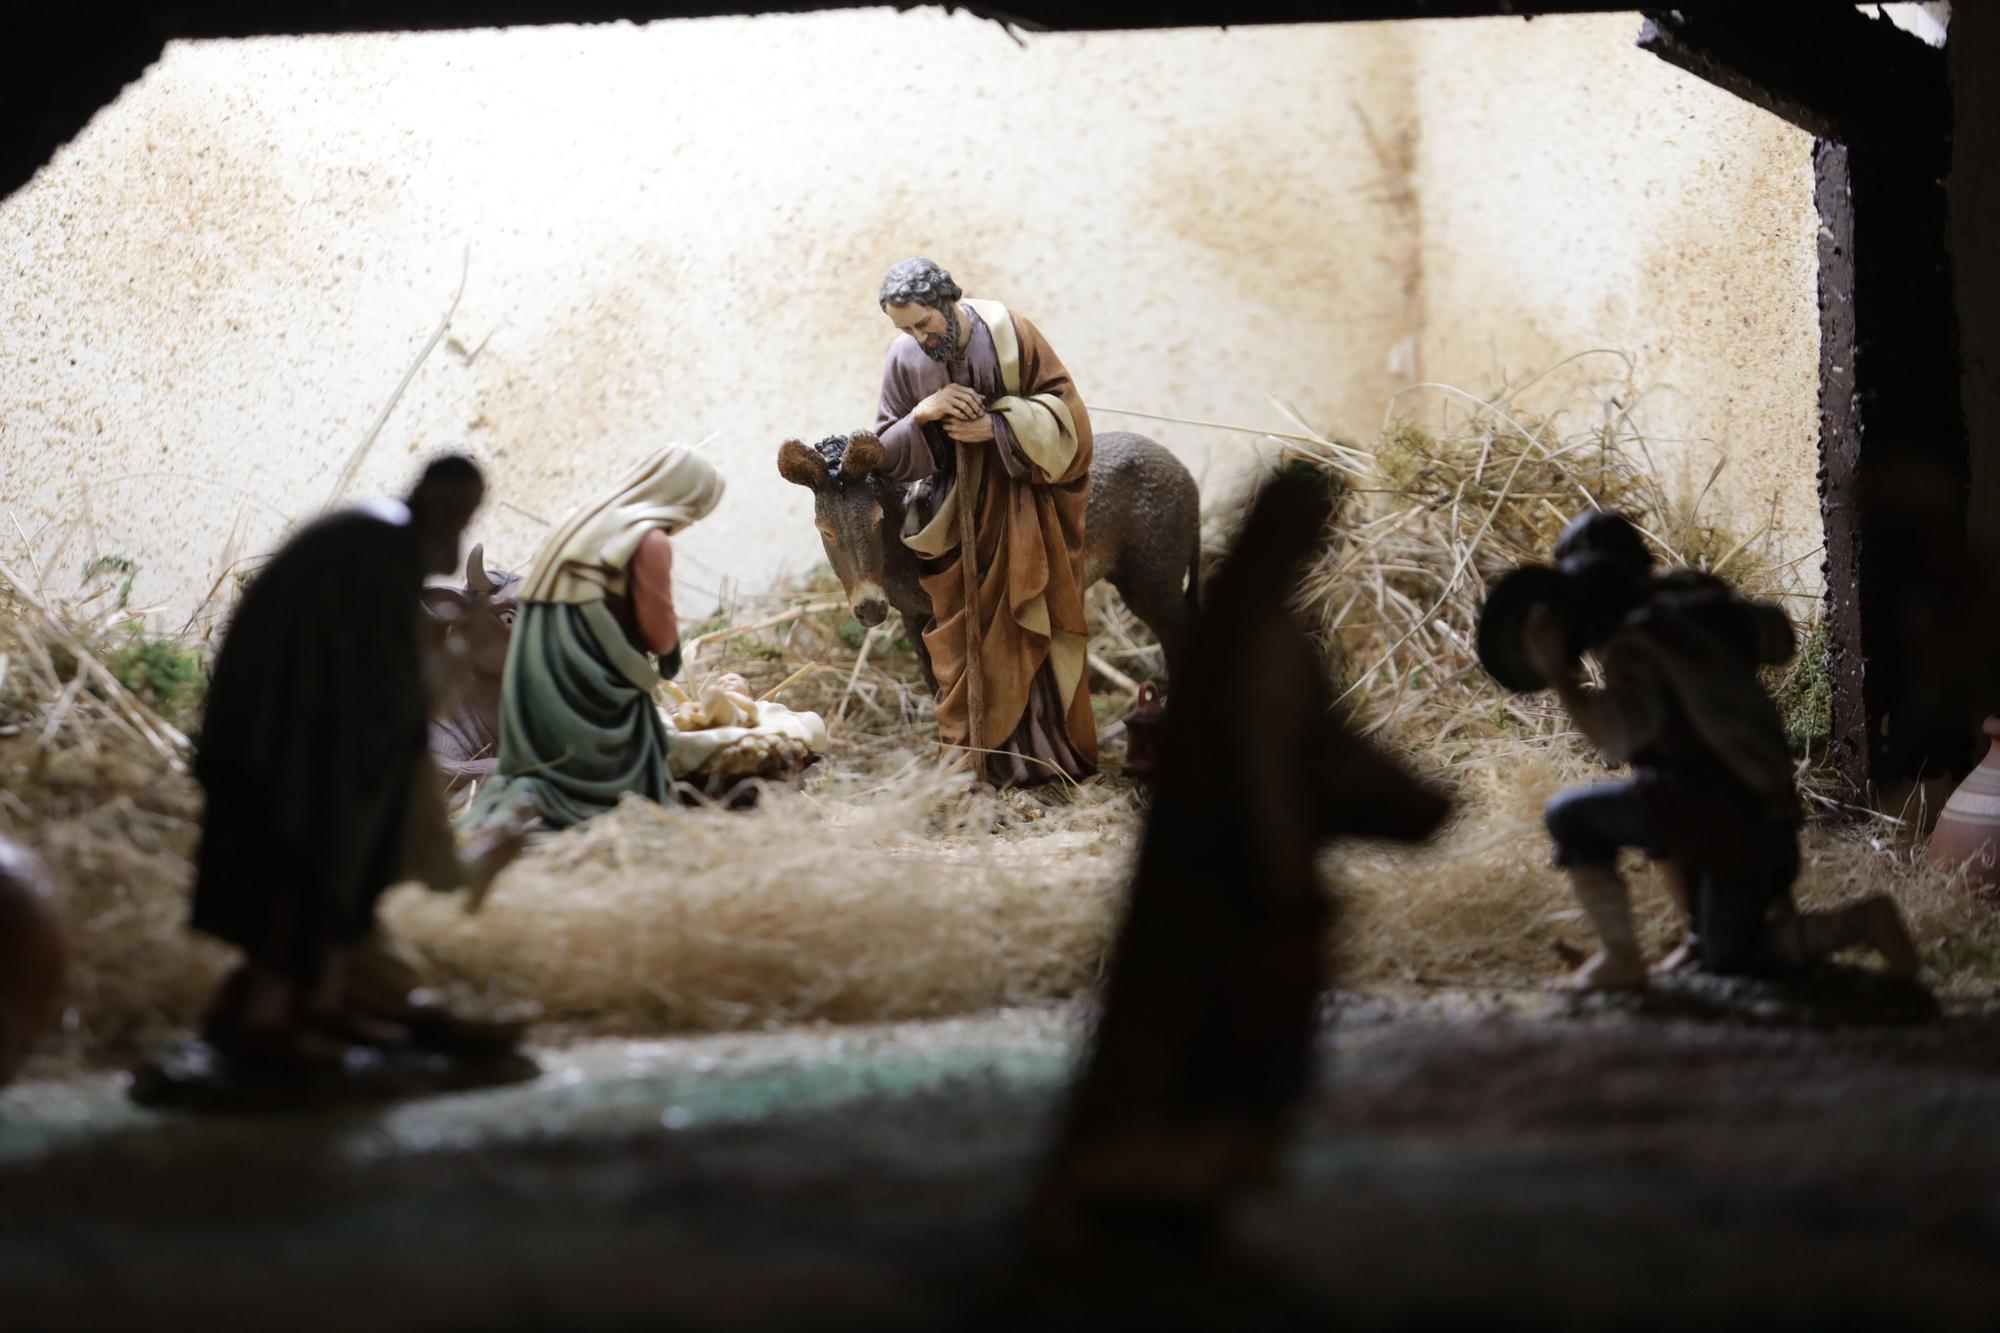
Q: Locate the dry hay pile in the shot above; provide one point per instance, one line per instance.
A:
(1426, 517)
(883, 889)
(900, 898)
(93, 777)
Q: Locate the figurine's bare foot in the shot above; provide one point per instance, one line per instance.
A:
(1605, 971)
(1882, 929)
(1684, 957)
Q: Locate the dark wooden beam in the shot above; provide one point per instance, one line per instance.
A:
(1895, 469)
(1837, 74)
(1840, 467)
(1974, 186)
(250, 18)
(52, 83)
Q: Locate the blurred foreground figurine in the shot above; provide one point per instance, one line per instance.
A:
(33, 953)
(1711, 790)
(579, 725)
(978, 409)
(1204, 1044)
(321, 792)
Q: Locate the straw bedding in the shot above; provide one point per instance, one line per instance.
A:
(884, 888)
(896, 903)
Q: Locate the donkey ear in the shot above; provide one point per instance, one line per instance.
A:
(801, 466)
(864, 454)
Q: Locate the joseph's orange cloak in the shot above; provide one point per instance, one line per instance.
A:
(1027, 545)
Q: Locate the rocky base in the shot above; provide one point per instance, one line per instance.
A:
(1827, 996)
(196, 1075)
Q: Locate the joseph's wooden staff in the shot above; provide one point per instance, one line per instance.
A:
(968, 550)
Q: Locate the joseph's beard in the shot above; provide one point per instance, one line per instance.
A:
(947, 348)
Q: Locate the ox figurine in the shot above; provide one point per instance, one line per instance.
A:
(477, 622)
(1142, 531)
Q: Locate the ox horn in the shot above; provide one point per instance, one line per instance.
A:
(476, 577)
(864, 454)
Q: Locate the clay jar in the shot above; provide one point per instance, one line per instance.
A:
(1970, 822)
(32, 953)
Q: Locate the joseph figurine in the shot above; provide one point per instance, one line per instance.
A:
(979, 412)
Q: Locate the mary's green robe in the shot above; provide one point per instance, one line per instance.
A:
(578, 722)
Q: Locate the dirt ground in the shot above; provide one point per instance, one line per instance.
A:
(1472, 1156)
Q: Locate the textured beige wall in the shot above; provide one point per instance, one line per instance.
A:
(1579, 193)
(674, 231)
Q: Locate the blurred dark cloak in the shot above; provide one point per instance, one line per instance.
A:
(316, 713)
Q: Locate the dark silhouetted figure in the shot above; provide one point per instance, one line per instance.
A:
(1205, 1042)
(320, 788)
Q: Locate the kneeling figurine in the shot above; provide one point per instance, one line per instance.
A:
(579, 726)
(1711, 789)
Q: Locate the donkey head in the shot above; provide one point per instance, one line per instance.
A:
(849, 508)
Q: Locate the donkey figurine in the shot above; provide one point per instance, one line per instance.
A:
(1142, 531)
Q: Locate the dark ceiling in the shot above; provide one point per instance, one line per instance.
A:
(60, 63)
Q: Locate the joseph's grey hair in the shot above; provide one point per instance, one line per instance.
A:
(919, 281)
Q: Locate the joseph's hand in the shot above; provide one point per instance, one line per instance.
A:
(952, 402)
(976, 431)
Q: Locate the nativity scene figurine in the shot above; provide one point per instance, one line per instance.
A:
(596, 634)
(321, 791)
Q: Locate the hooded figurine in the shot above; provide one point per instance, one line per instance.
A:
(596, 635)
(320, 788)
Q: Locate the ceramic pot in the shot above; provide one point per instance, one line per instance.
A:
(1969, 824)
(32, 953)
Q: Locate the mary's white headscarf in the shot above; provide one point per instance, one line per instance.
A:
(587, 554)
